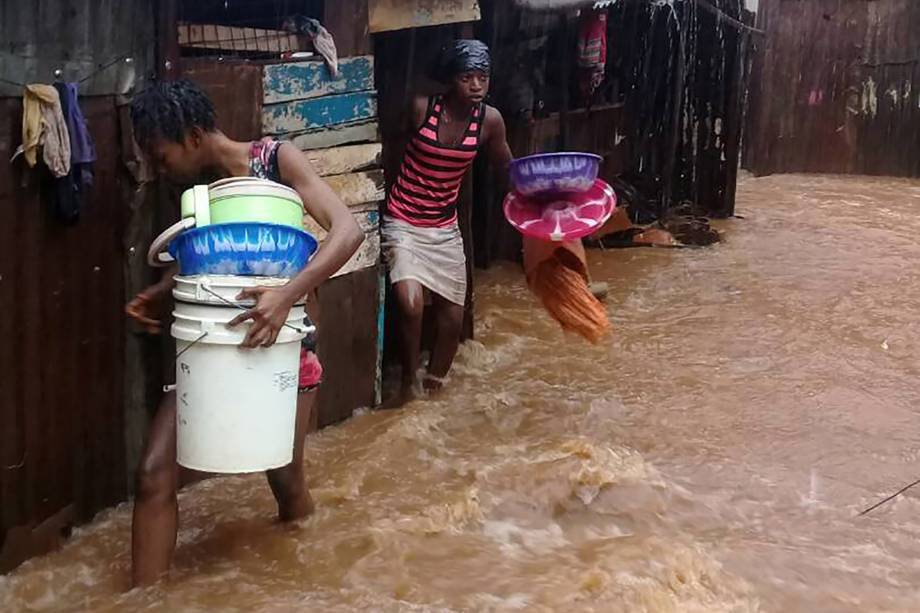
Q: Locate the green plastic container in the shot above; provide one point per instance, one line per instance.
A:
(243, 200)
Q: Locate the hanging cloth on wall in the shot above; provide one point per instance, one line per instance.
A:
(592, 52)
(322, 40)
(82, 147)
(43, 125)
(70, 191)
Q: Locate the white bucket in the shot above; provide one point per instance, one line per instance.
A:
(236, 408)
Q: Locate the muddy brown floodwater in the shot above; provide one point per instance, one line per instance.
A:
(712, 456)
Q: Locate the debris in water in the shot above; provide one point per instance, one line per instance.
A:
(892, 497)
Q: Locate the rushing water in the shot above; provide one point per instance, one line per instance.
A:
(712, 456)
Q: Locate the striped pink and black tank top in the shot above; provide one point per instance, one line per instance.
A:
(425, 192)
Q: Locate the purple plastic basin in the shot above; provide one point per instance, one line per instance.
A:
(551, 174)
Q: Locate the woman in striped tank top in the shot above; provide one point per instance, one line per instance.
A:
(421, 237)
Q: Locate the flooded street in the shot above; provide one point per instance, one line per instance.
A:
(713, 456)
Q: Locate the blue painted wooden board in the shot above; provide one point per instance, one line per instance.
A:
(303, 80)
(305, 115)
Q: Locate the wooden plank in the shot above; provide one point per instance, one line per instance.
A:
(368, 217)
(387, 15)
(230, 38)
(303, 80)
(334, 136)
(367, 255)
(358, 187)
(347, 330)
(167, 42)
(342, 160)
(303, 115)
(366, 214)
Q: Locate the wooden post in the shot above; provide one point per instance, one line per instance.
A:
(566, 85)
(667, 195)
(167, 39)
(734, 120)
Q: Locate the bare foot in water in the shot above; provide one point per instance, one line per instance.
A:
(407, 393)
(432, 384)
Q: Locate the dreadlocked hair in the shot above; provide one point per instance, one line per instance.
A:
(169, 109)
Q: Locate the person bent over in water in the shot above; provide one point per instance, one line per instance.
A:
(421, 236)
(174, 124)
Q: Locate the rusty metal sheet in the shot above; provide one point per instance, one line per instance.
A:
(61, 359)
(79, 38)
(836, 88)
(236, 90)
(347, 21)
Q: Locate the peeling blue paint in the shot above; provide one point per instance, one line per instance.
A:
(304, 115)
(303, 80)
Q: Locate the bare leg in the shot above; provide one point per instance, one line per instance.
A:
(410, 300)
(288, 483)
(449, 322)
(156, 509)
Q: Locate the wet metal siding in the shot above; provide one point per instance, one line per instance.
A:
(62, 291)
(78, 37)
(61, 346)
(683, 71)
(836, 88)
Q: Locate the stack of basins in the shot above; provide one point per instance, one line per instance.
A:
(236, 407)
(558, 197)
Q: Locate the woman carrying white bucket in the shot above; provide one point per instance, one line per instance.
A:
(174, 123)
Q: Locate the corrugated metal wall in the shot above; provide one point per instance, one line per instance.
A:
(85, 39)
(682, 68)
(836, 88)
(62, 290)
(61, 345)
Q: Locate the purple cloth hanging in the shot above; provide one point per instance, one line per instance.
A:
(71, 191)
(82, 147)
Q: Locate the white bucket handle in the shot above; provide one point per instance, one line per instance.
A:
(156, 255)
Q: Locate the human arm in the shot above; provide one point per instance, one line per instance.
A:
(145, 307)
(342, 240)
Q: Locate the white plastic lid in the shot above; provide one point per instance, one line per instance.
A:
(251, 186)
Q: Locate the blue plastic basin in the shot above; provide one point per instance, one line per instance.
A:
(246, 248)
